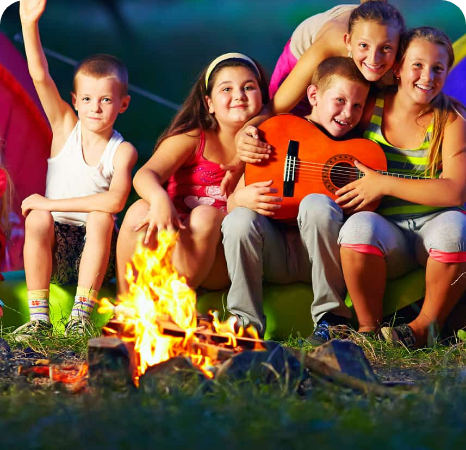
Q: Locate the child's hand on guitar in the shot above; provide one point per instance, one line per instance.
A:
(248, 146)
(360, 194)
(256, 196)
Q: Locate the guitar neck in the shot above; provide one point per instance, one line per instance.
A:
(396, 175)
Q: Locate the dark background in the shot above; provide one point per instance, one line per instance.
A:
(166, 43)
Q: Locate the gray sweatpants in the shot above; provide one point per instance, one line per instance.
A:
(260, 249)
(405, 243)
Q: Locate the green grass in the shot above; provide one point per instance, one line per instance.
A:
(246, 413)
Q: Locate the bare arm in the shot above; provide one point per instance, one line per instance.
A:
(249, 148)
(295, 85)
(59, 113)
(450, 190)
(166, 160)
(112, 201)
(149, 180)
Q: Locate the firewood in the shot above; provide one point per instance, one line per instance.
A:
(214, 352)
(111, 362)
(320, 369)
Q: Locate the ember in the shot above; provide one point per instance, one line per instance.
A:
(158, 315)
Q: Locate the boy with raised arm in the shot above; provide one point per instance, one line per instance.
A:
(69, 232)
(258, 248)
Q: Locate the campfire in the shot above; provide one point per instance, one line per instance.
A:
(158, 317)
(156, 332)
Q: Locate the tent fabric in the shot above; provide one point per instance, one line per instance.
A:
(454, 85)
(27, 137)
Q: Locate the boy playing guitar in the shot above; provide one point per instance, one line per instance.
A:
(258, 248)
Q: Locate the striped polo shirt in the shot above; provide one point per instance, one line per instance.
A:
(403, 162)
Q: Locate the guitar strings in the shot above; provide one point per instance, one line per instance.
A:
(336, 170)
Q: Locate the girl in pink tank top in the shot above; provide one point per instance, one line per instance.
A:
(180, 185)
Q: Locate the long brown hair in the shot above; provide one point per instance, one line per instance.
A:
(443, 107)
(194, 113)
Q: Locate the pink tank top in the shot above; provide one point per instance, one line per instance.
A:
(197, 182)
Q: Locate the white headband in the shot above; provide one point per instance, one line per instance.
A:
(225, 57)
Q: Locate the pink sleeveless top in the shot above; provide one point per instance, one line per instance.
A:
(197, 182)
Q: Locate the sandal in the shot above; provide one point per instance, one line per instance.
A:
(401, 335)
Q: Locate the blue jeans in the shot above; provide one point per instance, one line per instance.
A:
(259, 249)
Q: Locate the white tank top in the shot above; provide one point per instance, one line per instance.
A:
(306, 32)
(68, 174)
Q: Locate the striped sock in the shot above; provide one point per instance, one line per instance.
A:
(38, 301)
(84, 302)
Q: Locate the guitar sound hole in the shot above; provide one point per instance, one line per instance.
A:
(342, 173)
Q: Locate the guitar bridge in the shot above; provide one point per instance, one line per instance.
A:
(290, 168)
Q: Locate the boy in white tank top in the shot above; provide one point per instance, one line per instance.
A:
(69, 231)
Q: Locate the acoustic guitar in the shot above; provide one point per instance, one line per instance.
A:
(304, 160)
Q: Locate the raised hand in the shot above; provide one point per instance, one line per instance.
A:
(248, 146)
(30, 11)
(256, 196)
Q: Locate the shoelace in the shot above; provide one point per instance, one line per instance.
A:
(322, 330)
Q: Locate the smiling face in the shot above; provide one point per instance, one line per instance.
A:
(98, 101)
(423, 71)
(373, 47)
(235, 97)
(338, 109)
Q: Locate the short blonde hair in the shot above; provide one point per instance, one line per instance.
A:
(334, 68)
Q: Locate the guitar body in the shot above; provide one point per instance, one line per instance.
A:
(312, 163)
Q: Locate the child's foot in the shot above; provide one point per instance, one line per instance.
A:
(401, 335)
(81, 327)
(33, 329)
(330, 326)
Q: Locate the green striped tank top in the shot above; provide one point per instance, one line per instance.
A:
(400, 161)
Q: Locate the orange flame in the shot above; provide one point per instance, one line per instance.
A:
(158, 295)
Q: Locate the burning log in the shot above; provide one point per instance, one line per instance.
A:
(72, 376)
(158, 317)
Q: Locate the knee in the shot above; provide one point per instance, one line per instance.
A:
(206, 219)
(241, 223)
(133, 217)
(448, 235)
(319, 209)
(38, 223)
(360, 228)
